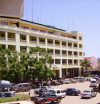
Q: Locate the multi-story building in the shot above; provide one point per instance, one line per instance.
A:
(66, 48)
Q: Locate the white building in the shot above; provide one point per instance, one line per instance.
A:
(66, 48)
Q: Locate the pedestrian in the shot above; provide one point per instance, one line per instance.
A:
(99, 84)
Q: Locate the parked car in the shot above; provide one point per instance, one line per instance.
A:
(73, 80)
(47, 97)
(88, 94)
(80, 79)
(45, 88)
(58, 92)
(96, 77)
(66, 81)
(55, 83)
(22, 87)
(13, 86)
(72, 91)
(93, 83)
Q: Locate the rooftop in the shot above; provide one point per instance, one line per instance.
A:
(48, 26)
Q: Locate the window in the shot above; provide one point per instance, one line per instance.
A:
(42, 31)
(25, 27)
(34, 29)
(4, 23)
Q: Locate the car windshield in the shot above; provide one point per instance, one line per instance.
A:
(87, 91)
(93, 81)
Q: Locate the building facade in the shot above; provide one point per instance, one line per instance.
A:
(66, 48)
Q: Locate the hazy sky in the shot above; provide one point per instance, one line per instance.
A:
(81, 15)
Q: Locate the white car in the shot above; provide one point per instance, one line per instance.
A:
(46, 88)
(93, 83)
(58, 92)
(88, 94)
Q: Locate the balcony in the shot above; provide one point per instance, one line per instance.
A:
(70, 54)
(50, 43)
(64, 62)
(57, 61)
(11, 37)
(69, 45)
(12, 47)
(57, 53)
(64, 44)
(2, 36)
(23, 38)
(64, 53)
(33, 40)
(57, 43)
(23, 48)
(42, 42)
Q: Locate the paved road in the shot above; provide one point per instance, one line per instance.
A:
(72, 99)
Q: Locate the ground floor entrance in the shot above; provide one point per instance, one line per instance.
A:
(67, 72)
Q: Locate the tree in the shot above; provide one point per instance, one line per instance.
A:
(85, 64)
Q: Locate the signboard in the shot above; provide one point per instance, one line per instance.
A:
(12, 8)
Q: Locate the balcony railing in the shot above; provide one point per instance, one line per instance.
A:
(50, 44)
(64, 55)
(42, 43)
(2, 38)
(11, 39)
(23, 41)
(57, 55)
(64, 64)
(57, 45)
(33, 42)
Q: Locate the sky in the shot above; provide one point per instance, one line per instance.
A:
(80, 15)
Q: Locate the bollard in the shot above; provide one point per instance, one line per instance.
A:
(17, 99)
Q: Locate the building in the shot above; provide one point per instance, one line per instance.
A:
(93, 61)
(66, 48)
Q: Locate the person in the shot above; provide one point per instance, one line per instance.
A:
(99, 84)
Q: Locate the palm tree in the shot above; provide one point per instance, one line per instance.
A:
(85, 64)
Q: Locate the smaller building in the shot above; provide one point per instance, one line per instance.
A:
(93, 61)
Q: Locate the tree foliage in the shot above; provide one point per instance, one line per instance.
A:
(21, 66)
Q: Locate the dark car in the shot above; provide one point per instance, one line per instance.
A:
(55, 83)
(46, 97)
(72, 91)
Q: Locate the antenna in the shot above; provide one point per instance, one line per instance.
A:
(26, 12)
(73, 24)
(32, 10)
(68, 25)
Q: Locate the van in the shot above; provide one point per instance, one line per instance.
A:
(93, 83)
(23, 87)
(58, 92)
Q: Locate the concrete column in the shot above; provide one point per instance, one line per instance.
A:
(18, 42)
(60, 73)
(46, 42)
(37, 41)
(6, 36)
(79, 72)
(27, 39)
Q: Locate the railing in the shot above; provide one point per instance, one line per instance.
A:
(42, 43)
(23, 41)
(11, 39)
(33, 42)
(2, 38)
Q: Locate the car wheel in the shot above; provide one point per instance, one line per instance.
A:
(59, 100)
(43, 102)
(75, 94)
